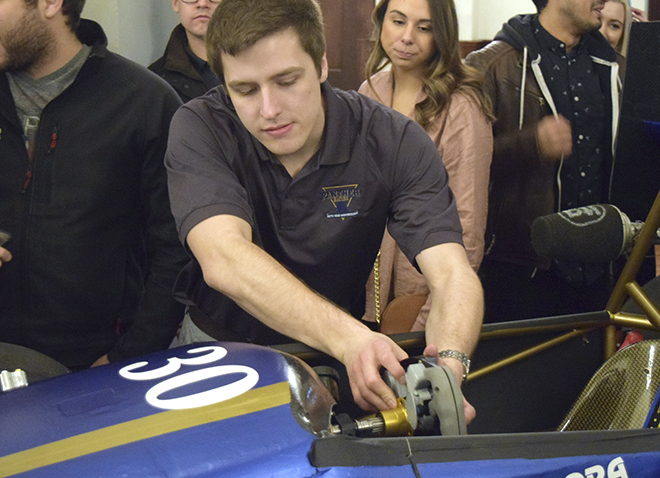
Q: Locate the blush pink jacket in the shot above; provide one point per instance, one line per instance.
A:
(463, 136)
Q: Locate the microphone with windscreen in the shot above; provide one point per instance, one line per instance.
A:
(598, 233)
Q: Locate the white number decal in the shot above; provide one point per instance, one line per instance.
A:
(201, 399)
(209, 397)
(174, 364)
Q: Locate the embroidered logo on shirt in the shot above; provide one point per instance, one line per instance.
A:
(341, 197)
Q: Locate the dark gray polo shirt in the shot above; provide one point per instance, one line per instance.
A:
(375, 167)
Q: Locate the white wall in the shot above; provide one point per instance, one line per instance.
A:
(136, 29)
(482, 19)
(139, 29)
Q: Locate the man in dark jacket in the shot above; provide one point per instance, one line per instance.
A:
(553, 79)
(88, 272)
(184, 65)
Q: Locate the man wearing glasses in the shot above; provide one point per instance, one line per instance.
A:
(184, 65)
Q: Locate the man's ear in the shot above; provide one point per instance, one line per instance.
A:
(175, 5)
(50, 8)
(324, 68)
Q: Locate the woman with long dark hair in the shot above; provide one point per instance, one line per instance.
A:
(428, 81)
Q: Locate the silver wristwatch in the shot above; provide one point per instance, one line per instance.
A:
(461, 357)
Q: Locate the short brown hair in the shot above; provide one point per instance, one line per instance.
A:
(238, 24)
(71, 9)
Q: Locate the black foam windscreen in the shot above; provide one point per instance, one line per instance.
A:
(636, 171)
(585, 234)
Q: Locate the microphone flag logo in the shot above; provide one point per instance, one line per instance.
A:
(584, 216)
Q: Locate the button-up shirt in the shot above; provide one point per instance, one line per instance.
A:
(575, 88)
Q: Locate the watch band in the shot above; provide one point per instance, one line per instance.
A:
(461, 357)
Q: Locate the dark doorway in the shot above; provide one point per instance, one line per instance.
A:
(654, 10)
(348, 30)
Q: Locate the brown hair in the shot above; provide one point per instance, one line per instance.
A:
(71, 9)
(238, 24)
(445, 72)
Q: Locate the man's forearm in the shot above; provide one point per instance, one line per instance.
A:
(266, 290)
(456, 312)
(455, 318)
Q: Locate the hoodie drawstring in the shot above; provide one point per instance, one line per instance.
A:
(615, 86)
(536, 68)
(523, 83)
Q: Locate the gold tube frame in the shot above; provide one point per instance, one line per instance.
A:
(625, 287)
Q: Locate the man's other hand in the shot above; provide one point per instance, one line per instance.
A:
(554, 138)
(5, 255)
(638, 15)
(363, 362)
(456, 367)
